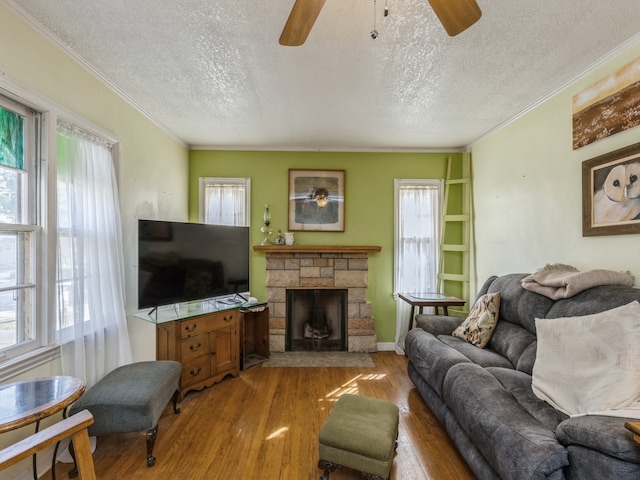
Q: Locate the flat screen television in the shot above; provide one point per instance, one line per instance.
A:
(180, 262)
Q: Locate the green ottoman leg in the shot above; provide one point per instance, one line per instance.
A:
(328, 467)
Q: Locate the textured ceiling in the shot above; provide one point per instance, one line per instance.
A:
(212, 71)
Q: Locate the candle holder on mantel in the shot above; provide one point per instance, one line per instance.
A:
(266, 230)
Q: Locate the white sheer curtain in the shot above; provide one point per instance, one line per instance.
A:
(417, 230)
(91, 320)
(225, 202)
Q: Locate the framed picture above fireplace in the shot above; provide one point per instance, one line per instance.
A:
(316, 200)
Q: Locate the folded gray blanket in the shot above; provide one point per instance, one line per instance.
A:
(558, 281)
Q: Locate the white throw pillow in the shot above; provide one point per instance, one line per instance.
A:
(591, 363)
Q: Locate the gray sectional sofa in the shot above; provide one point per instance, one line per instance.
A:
(485, 401)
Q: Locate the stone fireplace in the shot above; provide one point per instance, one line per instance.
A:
(318, 268)
(316, 320)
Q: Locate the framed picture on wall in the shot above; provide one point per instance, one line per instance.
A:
(316, 200)
(611, 193)
(607, 107)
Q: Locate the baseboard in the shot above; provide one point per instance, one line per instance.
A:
(386, 346)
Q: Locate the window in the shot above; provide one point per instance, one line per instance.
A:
(20, 330)
(46, 306)
(225, 201)
(418, 207)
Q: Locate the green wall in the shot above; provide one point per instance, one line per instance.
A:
(368, 205)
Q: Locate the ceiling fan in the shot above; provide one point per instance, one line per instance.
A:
(455, 16)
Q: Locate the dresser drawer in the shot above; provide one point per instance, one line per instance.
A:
(196, 370)
(207, 345)
(193, 347)
(206, 323)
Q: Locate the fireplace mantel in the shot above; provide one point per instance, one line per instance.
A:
(317, 248)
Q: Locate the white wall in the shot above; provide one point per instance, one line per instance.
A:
(153, 167)
(528, 189)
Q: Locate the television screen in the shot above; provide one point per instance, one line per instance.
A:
(179, 262)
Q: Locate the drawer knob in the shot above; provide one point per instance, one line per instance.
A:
(196, 371)
(229, 318)
(195, 347)
(191, 328)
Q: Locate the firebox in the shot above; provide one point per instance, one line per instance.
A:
(316, 319)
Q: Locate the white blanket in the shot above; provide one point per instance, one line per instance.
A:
(558, 281)
(590, 364)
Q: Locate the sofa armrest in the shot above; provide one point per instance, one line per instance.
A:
(602, 433)
(438, 324)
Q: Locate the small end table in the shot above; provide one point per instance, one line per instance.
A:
(435, 300)
(26, 402)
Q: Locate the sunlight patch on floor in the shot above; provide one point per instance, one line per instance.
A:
(278, 433)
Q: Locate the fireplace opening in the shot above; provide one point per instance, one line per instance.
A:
(316, 320)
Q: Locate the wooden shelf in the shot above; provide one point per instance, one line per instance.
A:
(317, 248)
(254, 337)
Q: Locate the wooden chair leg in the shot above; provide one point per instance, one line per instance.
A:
(84, 458)
(151, 435)
(175, 398)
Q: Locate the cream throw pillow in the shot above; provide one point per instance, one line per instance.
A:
(481, 322)
(591, 363)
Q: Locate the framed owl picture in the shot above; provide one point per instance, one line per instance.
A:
(611, 193)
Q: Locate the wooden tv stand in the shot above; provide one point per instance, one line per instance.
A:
(207, 345)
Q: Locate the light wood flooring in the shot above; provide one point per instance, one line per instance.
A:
(264, 425)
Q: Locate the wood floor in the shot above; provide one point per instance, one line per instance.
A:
(264, 425)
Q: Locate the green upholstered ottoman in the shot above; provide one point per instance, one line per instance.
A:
(361, 434)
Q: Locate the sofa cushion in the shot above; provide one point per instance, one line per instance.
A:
(527, 359)
(518, 305)
(514, 443)
(484, 357)
(437, 324)
(481, 321)
(510, 340)
(588, 464)
(519, 385)
(594, 300)
(431, 357)
(589, 363)
(602, 433)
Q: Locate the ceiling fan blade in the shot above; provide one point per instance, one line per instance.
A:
(456, 15)
(302, 17)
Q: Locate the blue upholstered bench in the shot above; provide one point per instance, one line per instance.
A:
(361, 434)
(132, 398)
